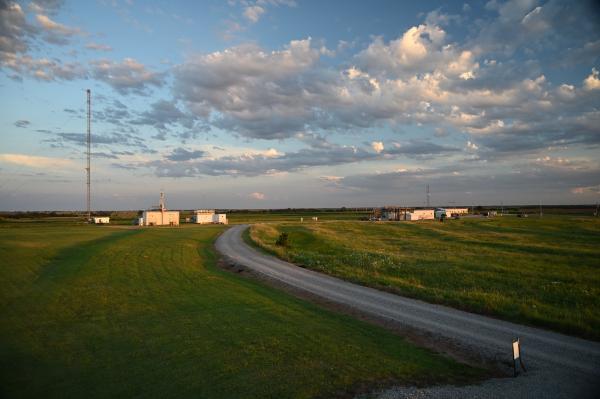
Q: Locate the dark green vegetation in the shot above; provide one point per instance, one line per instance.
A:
(544, 272)
(91, 311)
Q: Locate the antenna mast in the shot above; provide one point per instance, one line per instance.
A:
(428, 196)
(89, 152)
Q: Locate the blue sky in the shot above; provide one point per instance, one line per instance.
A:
(281, 103)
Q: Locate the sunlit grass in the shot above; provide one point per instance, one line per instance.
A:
(540, 271)
(89, 311)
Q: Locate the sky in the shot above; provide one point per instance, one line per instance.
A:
(292, 103)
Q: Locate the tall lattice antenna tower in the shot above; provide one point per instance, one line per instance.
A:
(89, 153)
(428, 196)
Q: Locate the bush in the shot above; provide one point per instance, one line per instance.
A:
(282, 241)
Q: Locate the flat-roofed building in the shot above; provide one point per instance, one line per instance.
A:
(208, 216)
(160, 216)
(420, 214)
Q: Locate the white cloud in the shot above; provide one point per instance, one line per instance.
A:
(36, 161)
(592, 82)
(55, 32)
(257, 196)
(50, 25)
(126, 76)
(472, 146)
(14, 29)
(253, 13)
(272, 153)
(43, 68)
(377, 146)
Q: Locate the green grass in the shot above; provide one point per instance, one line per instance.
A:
(89, 311)
(293, 216)
(544, 272)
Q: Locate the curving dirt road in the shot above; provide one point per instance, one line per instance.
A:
(558, 365)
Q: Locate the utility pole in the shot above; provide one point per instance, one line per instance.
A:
(89, 153)
(428, 195)
(541, 209)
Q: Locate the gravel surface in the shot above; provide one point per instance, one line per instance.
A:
(558, 366)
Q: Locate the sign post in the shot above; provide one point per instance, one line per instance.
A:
(516, 347)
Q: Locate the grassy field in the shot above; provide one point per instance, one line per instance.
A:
(543, 272)
(265, 217)
(90, 311)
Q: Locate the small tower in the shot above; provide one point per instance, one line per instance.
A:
(161, 204)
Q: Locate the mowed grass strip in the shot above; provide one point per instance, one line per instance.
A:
(102, 312)
(544, 272)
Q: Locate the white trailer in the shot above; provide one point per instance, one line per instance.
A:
(219, 218)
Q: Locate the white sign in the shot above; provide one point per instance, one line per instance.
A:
(516, 350)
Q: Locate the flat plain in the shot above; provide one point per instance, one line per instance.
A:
(100, 311)
(539, 271)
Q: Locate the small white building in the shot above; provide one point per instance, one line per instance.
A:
(456, 211)
(449, 212)
(203, 216)
(208, 216)
(101, 220)
(159, 216)
(420, 214)
(220, 218)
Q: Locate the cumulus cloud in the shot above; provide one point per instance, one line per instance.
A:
(377, 146)
(419, 78)
(127, 76)
(16, 35)
(15, 31)
(248, 90)
(43, 69)
(592, 82)
(253, 13)
(55, 32)
(472, 146)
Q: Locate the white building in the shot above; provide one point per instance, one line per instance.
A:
(208, 216)
(101, 220)
(456, 211)
(449, 212)
(220, 218)
(420, 214)
(160, 216)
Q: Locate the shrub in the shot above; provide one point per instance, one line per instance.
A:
(282, 241)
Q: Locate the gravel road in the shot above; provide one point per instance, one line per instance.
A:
(558, 366)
